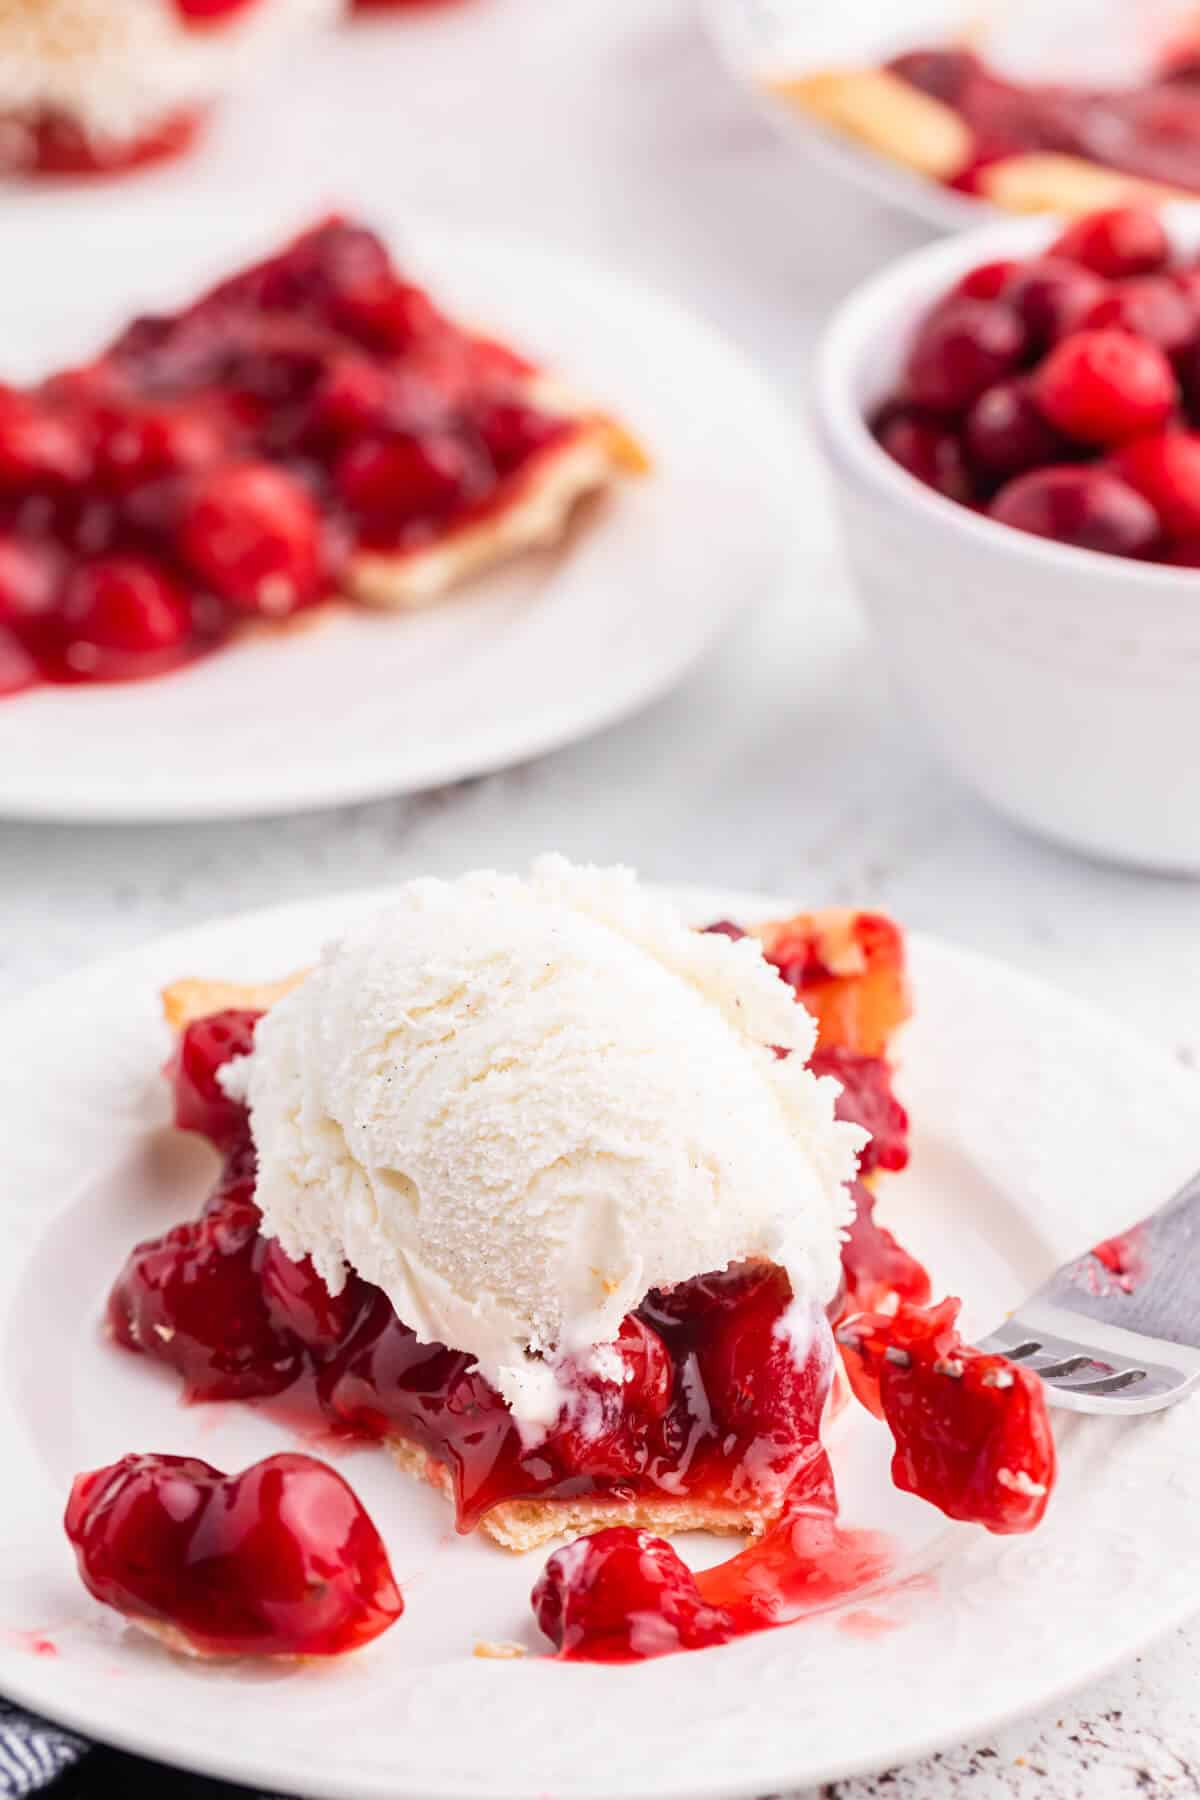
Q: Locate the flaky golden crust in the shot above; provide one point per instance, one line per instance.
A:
(887, 114)
(186, 1001)
(521, 1525)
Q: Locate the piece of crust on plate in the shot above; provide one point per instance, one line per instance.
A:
(886, 114)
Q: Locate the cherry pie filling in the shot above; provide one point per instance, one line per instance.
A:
(723, 1386)
(280, 1560)
(227, 461)
(1151, 132)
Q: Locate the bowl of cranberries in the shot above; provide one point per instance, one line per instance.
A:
(1013, 422)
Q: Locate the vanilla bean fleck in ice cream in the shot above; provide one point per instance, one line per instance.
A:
(518, 1105)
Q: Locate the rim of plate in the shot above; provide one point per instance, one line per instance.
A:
(278, 785)
(204, 1753)
(742, 31)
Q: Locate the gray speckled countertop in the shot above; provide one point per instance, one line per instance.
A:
(781, 765)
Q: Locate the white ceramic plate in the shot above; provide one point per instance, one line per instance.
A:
(545, 651)
(1039, 1127)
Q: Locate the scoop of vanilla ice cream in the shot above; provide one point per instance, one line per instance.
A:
(518, 1105)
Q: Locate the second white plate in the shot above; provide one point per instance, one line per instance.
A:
(1040, 1127)
(547, 650)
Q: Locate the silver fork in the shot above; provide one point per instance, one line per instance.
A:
(1118, 1329)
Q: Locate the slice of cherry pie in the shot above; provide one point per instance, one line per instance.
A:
(705, 1415)
(313, 428)
(1028, 147)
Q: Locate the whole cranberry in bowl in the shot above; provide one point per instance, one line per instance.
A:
(1022, 519)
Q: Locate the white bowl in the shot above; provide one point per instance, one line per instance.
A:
(1062, 684)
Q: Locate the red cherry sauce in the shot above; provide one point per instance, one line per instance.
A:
(224, 462)
(1151, 131)
(280, 1560)
(624, 1595)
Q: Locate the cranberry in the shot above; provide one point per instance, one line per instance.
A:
(405, 477)
(1006, 434)
(38, 447)
(971, 1431)
(193, 1300)
(30, 574)
(1053, 297)
(930, 450)
(204, 1047)
(1166, 472)
(962, 348)
(281, 1560)
(987, 282)
(1089, 508)
(1105, 387)
(299, 1302)
(623, 1594)
(252, 532)
(1125, 240)
(1148, 306)
(122, 616)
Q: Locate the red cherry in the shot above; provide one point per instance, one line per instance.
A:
(1005, 433)
(1125, 240)
(623, 1594)
(201, 1103)
(281, 1560)
(512, 432)
(251, 531)
(38, 448)
(1166, 472)
(867, 1099)
(971, 1431)
(1151, 307)
(298, 1300)
(1090, 508)
(987, 282)
(122, 616)
(141, 446)
(30, 574)
(193, 1300)
(405, 477)
(757, 1379)
(597, 1434)
(211, 12)
(351, 397)
(18, 670)
(1184, 555)
(929, 450)
(1105, 387)
(386, 313)
(1053, 297)
(962, 348)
